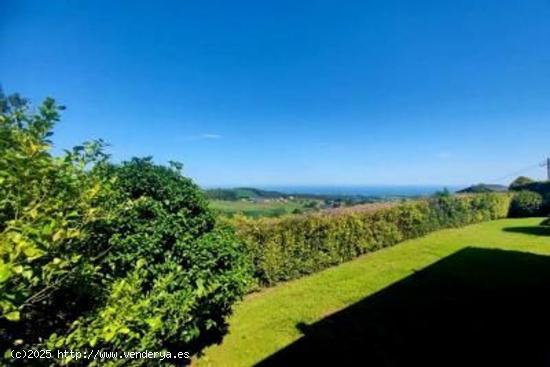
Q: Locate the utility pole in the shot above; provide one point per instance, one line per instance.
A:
(547, 165)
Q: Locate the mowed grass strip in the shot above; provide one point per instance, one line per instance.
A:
(256, 209)
(265, 322)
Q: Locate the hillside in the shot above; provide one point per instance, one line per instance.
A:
(253, 202)
(481, 188)
(239, 193)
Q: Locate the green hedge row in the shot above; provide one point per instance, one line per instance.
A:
(528, 204)
(530, 199)
(290, 247)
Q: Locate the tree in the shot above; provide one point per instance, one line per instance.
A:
(443, 193)
(11, 102)
(520, 182)
(103, 256)
(47, 205)
(175, 274)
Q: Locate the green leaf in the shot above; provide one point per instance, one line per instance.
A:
(12, 316)
(154, 322)
(109, 334)
(200, 287)
(32, 252)
(140, 263)
(5, 272)
(57, 235)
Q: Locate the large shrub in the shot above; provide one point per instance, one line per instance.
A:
(291, 247)
(115, 257)
(539, 187)
(175, 274)
(520, 182)
(526, 204)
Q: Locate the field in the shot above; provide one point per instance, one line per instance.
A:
(260, 208)
(481, 288)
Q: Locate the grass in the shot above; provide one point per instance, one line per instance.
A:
(261, 208)
(303, 317)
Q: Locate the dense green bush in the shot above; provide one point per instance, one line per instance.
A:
(520, 182)
(526, 204)
(540, 187)
(291, 247)
(174, 275)
(117, 257)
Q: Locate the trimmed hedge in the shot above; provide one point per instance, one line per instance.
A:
(526, 204)
(291, 247)
(540, 187)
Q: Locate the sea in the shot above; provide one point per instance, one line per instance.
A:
(364, 190)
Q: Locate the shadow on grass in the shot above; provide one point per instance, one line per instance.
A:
(532, 230)
(475, 307)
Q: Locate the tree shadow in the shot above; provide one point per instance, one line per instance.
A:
(475, 307)
(531, 230)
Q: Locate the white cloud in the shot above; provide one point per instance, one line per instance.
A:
(210, 136)
(206, 136)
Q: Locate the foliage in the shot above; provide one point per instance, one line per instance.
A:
(483, 188)
(443, 193)
(526, 204)
(243, 193)
(540, 187)
(175, 274)
(222, 194)
(520, 181)
(47, 206)
(291, 247)
(115, 257)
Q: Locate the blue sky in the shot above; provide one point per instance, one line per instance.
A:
(294, 92)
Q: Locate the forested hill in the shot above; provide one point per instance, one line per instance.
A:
(480, 188)
(243, 193)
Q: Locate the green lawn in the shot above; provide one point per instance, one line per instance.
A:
(264, 208)
(268, 321)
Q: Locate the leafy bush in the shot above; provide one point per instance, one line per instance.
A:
(521, 181)
(47, 206)
(174, 274)
(291, 247)
(526, 204)
(539, 187)
(114, 257)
